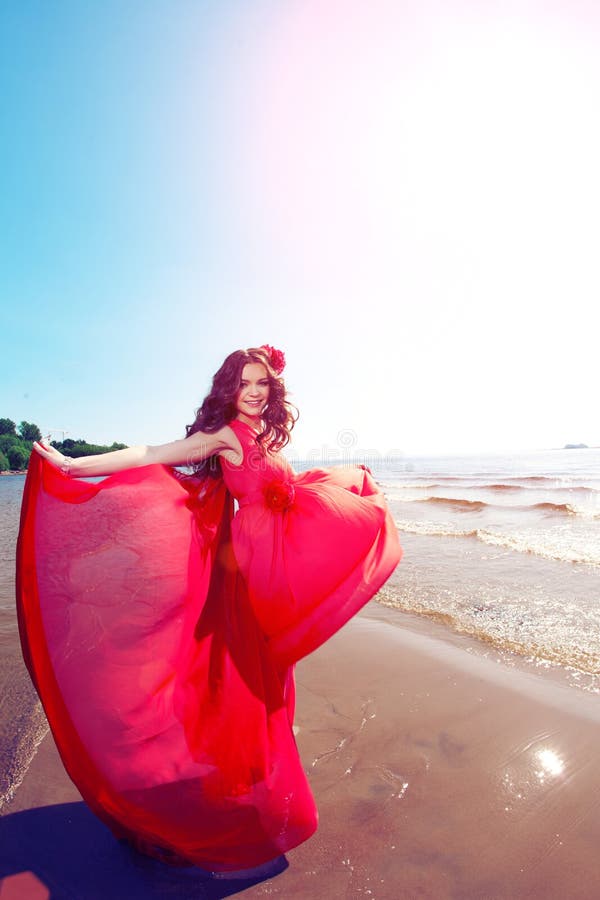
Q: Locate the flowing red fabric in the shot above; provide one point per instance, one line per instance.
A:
(161, 630)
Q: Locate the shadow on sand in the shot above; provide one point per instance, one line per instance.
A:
(66, 852)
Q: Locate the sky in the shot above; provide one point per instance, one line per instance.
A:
(402, 196)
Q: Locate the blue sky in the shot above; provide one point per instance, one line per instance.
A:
(403, 197)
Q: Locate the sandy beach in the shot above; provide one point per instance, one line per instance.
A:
(438, 772)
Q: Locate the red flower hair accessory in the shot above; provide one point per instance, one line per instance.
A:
(276, 358)
(279, 495)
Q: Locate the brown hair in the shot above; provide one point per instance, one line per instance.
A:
(219, 406)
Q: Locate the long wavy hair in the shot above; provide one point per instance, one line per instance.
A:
(219, 406)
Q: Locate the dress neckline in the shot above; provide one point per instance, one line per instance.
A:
(249, 427)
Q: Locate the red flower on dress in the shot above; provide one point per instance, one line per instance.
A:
(276, 358)
(279, 495)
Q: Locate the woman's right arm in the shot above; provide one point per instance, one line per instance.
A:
(187, 451)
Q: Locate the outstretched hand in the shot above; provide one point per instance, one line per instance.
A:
(54, 456)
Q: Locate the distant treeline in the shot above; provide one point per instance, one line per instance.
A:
(16, 444)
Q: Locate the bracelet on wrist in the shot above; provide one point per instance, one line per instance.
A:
(65, 466)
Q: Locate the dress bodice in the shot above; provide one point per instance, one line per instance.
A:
(262, 477)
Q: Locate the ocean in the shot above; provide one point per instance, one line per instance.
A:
(502, 548)
(505, 548)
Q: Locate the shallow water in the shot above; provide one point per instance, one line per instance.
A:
(22, 721)
(11, 491)
(505, 548)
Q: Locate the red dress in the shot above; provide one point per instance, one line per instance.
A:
(161, 630)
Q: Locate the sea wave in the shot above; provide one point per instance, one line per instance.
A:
(547, 544)
(571, 481)
(463, 504)
(569, 509)
(460, 503)
(534, 479)
(571, 488)
(498, 482)
(483, 625)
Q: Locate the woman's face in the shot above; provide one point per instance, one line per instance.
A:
(253, 394)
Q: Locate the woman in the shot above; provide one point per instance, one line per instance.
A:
(161, 629)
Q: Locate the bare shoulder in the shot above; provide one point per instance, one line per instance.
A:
(224, 443)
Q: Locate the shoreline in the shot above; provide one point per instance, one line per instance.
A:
(438, 772)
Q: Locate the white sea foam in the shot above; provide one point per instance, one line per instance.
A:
(554, 543)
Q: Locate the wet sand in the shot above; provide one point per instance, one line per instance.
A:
(438, 773)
